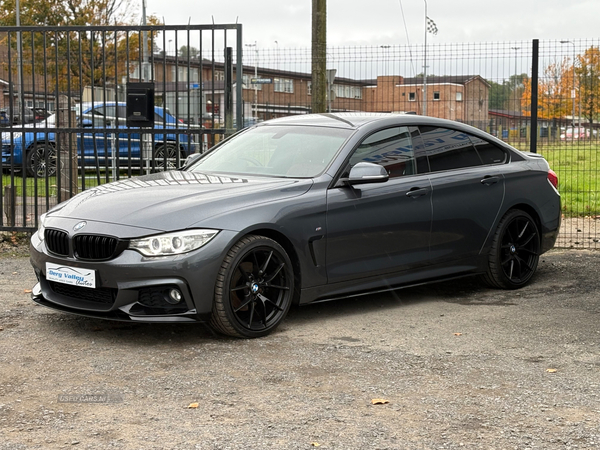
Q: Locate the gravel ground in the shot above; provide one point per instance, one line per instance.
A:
(459, 365)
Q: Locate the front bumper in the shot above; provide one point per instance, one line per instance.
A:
(132, 287)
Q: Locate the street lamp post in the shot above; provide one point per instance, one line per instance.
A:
(573, 91)
(255, 115)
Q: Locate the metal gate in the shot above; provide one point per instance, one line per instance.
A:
(63, 106)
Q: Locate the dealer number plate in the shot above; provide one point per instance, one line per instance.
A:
(75, 276)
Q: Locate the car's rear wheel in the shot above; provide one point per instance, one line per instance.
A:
(165, 157)
(41, 160)
(515, 251)
(254, 288)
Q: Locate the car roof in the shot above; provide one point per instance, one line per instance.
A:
(355, 120)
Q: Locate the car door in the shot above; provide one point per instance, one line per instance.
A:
(466, 193)
(380, 228)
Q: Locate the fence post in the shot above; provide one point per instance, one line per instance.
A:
(535, 55)
(67, 150)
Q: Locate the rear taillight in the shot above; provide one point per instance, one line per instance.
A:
(553, 178)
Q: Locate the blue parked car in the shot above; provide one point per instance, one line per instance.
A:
(97, 143)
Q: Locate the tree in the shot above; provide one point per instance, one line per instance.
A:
(186, 52)
(588, 81)
(554, 91)
(71, 59)
(507, 95)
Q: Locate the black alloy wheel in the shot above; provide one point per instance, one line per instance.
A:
(41, 160)
(165, 157)
(515, 251)
(254, 288)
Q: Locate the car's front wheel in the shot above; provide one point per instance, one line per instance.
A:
(515, 251)
(254, 288)
(165, 157)
(41, 160)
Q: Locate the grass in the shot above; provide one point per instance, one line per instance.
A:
(576, 164)
(578, 168)
(50, 185)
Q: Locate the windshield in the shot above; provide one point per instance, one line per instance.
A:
(280, 151)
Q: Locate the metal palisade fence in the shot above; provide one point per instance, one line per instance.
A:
(541, 96)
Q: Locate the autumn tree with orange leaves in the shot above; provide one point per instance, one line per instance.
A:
(587, 73)
(560, 79)
(554, 91)
(68, 59)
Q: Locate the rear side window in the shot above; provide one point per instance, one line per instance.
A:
(488, 152)
(448, 149)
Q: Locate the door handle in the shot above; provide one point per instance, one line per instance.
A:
(417, 192)
(488, 180)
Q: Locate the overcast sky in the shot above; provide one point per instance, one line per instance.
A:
(380, 22)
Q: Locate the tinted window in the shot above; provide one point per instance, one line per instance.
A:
(448, 149)
(489, 153)
(391, 148)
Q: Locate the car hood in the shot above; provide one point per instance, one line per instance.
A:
(174, 200)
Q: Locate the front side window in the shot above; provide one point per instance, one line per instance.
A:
(448, 149)
(391, 148)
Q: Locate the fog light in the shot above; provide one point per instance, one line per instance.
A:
(174, 296)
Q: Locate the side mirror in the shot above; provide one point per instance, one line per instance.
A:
(366, 172)
(191, 159)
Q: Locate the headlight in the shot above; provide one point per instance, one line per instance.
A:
(172, 243)
(42, 228)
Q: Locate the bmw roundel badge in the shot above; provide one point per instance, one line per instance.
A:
(79, 226)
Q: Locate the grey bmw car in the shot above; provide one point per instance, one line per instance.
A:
(297, 210)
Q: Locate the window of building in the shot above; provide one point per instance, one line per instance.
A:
(412, 96)
(309, 87)
(459, 96)
(448, 149)
(284, 85)
(436, 95)
(342, 91)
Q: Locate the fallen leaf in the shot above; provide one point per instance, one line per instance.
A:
(379, 401)
(193, 405)
(27, 291)
(457, 334)
(315, 444)
(1, 328)
(551, 370)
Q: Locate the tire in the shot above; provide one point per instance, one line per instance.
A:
(515, 251)
(41, 160)
(254, 288)
(170, 152)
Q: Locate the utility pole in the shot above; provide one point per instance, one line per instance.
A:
(319, 56)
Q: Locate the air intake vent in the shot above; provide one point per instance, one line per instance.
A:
(94, 247)
(57, 242)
